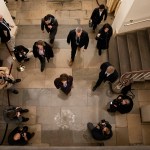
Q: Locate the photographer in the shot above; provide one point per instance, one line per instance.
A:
(102, 131)
(122, 103)
(22, 54)
(14, 114)
(7, 80)
(20, 136)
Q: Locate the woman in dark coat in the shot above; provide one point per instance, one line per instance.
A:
(41, 49)
(64, 82)
(103, 37)
(122, 103)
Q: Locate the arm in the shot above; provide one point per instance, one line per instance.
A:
(35, 53)
(57, 83)
(25, 49)
(93, 14)
(69, 38)
(86, 41)
(55, 24)
(48, 51)
(5, 70)
(105, 14)
(42, 24)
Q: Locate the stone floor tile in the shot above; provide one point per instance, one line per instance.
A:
(146, 134)
(121, 120)
(77, 97)
(87, 5)
(73, 6)
(37, 97)
(37, 137)
(32, 78)
(134, 129)
(122, 136)
(15, 99)
(143, 95)
(46, 115)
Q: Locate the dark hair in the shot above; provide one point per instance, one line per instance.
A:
(64, 77)
(40, 42)
(107, 25)
(46, 18)
(102, 6)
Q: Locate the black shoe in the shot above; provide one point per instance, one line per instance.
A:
(94, 88)
(24, 110)
(17, 80)
(42, 69)
(15, 91)
(108, 110)
(25, 119)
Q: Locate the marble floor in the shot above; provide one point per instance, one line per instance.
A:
(57, 119)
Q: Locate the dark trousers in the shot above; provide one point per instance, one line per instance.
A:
(100, 79)
(73, 51)
(52, 35)
(94, 26)
(42, 60)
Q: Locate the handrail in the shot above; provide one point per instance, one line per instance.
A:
(128, 24)
(130, 77)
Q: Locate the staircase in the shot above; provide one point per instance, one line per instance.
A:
(130, 52)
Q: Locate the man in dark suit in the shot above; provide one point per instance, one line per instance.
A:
(78, 39)
(108, 73)
(50, 23)
(42, 50)
(5, 36)
(98, 15)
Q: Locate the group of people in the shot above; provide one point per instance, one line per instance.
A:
(42, 50)
(20, 135)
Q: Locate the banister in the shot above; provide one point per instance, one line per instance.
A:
(128, 24)
(129, 77)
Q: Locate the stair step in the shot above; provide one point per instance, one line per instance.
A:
(148, 31)
(144, 48)
(123, 54)
(134, 52)
(113, 53)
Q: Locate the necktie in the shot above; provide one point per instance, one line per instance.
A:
(78, 40)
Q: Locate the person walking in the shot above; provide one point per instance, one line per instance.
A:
(78, 39)
(98, 15)
(103, 37)
(107, 73)
(42, 50)
(49, 22)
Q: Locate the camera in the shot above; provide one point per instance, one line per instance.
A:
(102, 124)
(23, 130)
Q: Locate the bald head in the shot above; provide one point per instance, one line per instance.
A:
(110, 70)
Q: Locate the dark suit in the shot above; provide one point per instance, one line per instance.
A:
(103, 76)
(4, 26)
(97, 18)
(103, 39)
(48, 54)
(59, 85)
(20, 55)
(84, 41)
(52, 32)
